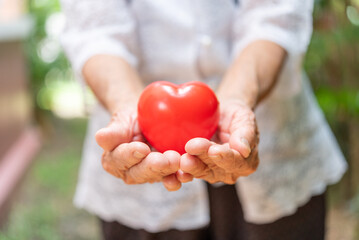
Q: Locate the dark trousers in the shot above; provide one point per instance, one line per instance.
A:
(227, 223)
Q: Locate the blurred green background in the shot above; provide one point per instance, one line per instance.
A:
(44, 210)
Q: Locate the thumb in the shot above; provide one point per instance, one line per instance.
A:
(244, 136)
(117, 132)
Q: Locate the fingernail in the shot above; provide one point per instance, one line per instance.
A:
(139, 155)
(248, 150)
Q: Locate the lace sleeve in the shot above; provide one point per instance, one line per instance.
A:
(285, 22)
(98, 27)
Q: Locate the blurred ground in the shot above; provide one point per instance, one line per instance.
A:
(44, 210)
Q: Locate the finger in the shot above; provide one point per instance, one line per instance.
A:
(193, 165)
(171, 183)
(129, 154)
(198, 146)
(245, 135)
(224, 157)
(113, 135)
(224, 137)
(241, 144)
(184, 177)
(152, 168)
(173, 159)
(252, 162)
(255, 163)
(110, 167)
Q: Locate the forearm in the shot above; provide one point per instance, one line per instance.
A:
(114, 82)
(253, 73)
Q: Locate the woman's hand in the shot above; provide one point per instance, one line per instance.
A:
(117, 86)
(233, 155)
(248, 80)
(128, 157)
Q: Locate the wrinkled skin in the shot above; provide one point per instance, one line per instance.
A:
(233, 154)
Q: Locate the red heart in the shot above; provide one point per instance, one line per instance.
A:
(169, 115)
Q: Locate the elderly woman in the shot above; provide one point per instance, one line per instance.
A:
(250, 52)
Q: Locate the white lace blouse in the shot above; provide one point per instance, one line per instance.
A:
(190, 40)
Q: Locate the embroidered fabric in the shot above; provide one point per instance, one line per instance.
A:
(190, 40)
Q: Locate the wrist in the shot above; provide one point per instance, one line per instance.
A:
(122, 96)
(253, 74)
(239, 88)
(122, 104)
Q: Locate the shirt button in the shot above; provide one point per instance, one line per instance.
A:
(205, 40)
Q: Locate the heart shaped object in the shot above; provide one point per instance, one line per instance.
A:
(169, 115)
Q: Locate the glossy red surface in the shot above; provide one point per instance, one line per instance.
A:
(169, 115)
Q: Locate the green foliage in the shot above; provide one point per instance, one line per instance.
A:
(342, 103)
(332, 64)
(41, 10)
(333, 58)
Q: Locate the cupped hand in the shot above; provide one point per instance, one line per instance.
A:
(233, 154)
(128, 157)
